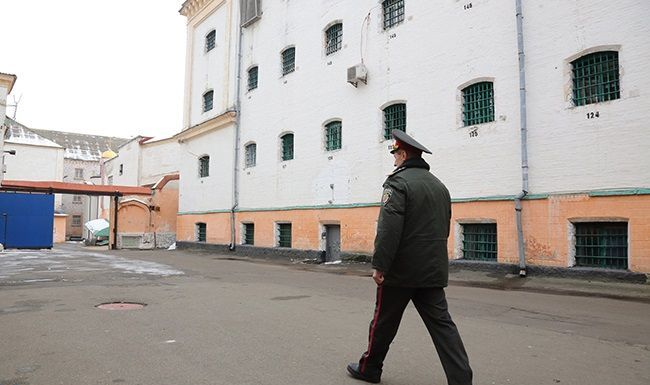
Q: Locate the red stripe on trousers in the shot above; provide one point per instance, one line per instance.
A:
(372, 329)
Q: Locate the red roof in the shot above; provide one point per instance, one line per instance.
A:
(72, 188)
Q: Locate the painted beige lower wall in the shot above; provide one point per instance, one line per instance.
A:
(547, 226)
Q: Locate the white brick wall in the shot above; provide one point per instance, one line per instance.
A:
(425, 61)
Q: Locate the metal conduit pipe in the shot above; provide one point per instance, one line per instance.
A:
(524, 139)
(235, 179)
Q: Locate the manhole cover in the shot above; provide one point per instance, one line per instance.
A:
(121, 306)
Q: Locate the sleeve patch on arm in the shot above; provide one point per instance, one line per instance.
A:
(386, 196)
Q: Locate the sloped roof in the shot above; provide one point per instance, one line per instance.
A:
(83, 146)
(19, 134)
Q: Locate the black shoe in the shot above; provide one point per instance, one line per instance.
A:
(353, 369)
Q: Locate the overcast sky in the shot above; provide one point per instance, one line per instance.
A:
(104, 67)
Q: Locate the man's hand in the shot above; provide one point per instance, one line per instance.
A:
(378, 276)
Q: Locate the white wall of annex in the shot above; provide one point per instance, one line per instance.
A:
(209, 70)
(159, 159)
(128, 161)
(567, 151)
(35, 163)
(213, 192)
(423, 61)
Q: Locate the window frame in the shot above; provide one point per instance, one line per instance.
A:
(279, 230)
(391, 14)
(622, 262)
(201, 228)
(78, 173)
(245, 240)
(204, 166)
(472, 95)
(77, 199)
(600, 77)
(74, 223)
(284, 150)
(390, 124)
(210, 41)
(254, 86)
(248, 162)
(337, 41)
(204, 106)
(330, 143)
(480, 241)
(288, 68)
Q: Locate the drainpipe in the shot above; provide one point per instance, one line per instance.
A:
(524, 139)
(235, 178)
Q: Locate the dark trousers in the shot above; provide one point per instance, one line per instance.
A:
(431, 304)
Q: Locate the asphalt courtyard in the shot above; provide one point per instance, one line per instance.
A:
(209, 319)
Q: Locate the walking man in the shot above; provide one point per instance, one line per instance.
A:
(410, 263)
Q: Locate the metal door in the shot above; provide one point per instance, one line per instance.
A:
(332, 243)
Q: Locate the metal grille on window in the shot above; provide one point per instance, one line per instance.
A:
(204, 166)
(393, 12)
(76, 220)
(334, 36)
(78, 173)
(249, 234)
(601, 244)
(76, 199)
(210, 39)
(251, 155)
(394, 119)
(207, 100)
(287, 147)
(478, 104)
(288, 60)
(333, 136)
(252, 78)
(201, 230)
(284, 234)
(480, 242)
(596, 78)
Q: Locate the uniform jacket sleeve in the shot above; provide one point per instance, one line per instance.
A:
(390, 225)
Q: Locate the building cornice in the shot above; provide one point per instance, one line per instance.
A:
(191, 8)
(217, 122)
(7, 81)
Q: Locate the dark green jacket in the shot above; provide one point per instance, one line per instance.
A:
(413, 227)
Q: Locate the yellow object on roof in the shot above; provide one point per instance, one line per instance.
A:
(108, 154)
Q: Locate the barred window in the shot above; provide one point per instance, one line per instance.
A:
(76, 220)
(394, 119)
(601, 244)
(284, 234)
(287, 147)
(252, 78)
(207, 100)
(288, 60)
(201, 232)
(249, 234)
(333, 136)
(333, 38)
(78, 173)
(204, 166)
(251, 155)
(210, 40)
(76, 199)
(480, 241)
(393, 12)
(478, 103)
(596, 78)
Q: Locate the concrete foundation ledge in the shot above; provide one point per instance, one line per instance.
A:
(277, 253)
(586, 273)
(286, 254)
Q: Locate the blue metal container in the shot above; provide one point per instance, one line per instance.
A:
(26, 220)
